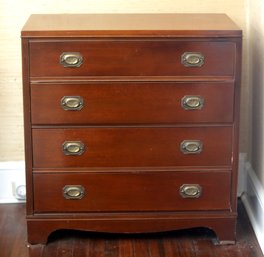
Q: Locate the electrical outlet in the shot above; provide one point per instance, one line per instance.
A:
(19, 191)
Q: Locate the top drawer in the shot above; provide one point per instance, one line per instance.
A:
(131, 58)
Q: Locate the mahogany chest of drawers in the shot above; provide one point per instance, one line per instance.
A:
(131, 122)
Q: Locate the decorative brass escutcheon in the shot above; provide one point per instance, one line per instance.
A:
(72, 103)
(73, 148)
(192, 102)
(191, 146)
(73, 192)
(71, 59)
(190, 191)
(191, 59)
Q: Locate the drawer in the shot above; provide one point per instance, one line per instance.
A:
(132, 147)
(131, 103)
(160, 191)
(131, 58)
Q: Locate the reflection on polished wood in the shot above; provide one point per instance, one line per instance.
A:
(188, 243)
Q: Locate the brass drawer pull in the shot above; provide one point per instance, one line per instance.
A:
(190, 191)
(73, 148)
(192, 102)
(191, 146)
(73, 192)
(189, 59)
(72, 103)
(71, 59)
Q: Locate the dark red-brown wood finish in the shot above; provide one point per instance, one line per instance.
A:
(139, 132)
(123, 191)
(132, 103)
(142, 57)
(132, 147)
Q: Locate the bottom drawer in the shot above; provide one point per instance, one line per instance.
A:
(127, 191)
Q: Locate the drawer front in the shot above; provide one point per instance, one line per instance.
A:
(132, 103)
(131, 58)
(132, 147)
(160, 191)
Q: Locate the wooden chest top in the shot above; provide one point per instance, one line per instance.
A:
(119, 25)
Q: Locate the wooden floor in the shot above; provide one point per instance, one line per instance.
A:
(187, 243)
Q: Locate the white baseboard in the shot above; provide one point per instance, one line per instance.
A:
(242, 174)
(12, 182)
(253, 200)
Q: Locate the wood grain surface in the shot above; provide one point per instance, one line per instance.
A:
(132, 103)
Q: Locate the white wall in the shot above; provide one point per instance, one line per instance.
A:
(253, 197)
(14, 14)
(256, 83)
